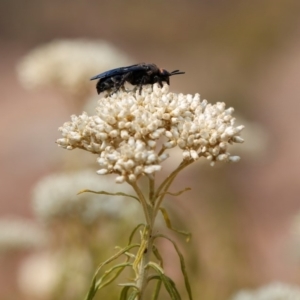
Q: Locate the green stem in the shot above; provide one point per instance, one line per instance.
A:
(151, 190)
(145, 205)
(150, 207)
(142, 276)
(163, 188)
(144, 253)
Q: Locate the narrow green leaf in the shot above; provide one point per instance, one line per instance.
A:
(123, 295)
(134, 231)
(142, 248)
(157, 287)
(130, 284)
(155, 266)
(158, 256)
(169, 224)
(109, 194)
(175, 194)
(152, 277)
(182, 265)
(127, 286)
(92, 290)
(157, 290)
(95, 284)
(133, 295)
(114, 257)
(120, 267)
(171, 287)
(167, 281)
(139, 255)
(130, 255)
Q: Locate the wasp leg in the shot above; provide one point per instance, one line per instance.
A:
(142, 82)
(124, 78)
(158, 80)
(117, 81)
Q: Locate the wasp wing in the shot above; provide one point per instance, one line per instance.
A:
(120, 71)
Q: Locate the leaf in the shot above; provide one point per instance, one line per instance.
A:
(182, 265)
(169, 225)
(158, 285)
(175, 194)
(142, 248)
(130, 284)
(152, 277)
(167, 281)
(92, 291)
(155, 266)
(133, 295)
(123, 295)
(112, 258)
(95, 284)
(127, 286)
(109, 194)
(121, 267)
(157, 290)
(171, 288)
(139, 255)
(134, 231)
(158, 256)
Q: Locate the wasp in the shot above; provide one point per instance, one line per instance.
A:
(138, 75)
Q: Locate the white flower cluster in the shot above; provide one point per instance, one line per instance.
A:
(54, 197)
(68, 64)
(19, 234)
(41, 275)
(273, 291)
(128, 129)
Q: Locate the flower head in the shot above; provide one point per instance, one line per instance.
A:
(42, 275)
(273, 291)
(131, 132)
(68, 64)
(20, 234)
(38, 275)
(54, 198)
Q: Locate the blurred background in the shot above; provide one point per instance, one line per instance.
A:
(243, 216)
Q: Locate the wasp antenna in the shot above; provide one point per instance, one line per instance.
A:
(176, 72)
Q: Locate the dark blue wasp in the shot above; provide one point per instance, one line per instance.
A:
(139, 75)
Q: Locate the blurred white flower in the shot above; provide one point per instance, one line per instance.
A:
(273, 291)
(128, 128)
(39, 275)
(44, 275)
(20, 234)
(69, 64)
(55, 196)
